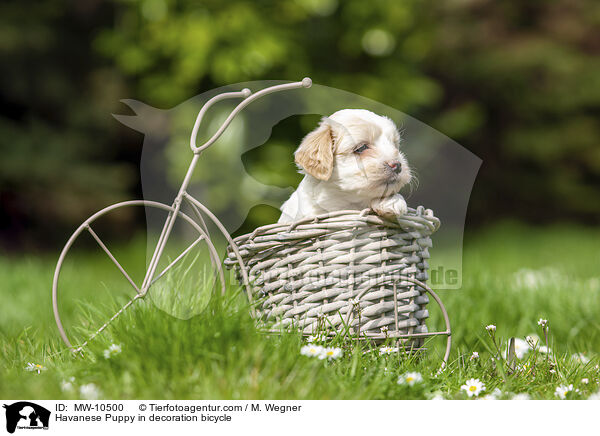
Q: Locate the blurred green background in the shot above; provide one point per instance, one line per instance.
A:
(517, 83)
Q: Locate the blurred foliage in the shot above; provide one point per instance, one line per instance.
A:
(517, 83)
(60, 154)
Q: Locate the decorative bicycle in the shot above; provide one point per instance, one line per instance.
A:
(279, 257)
(197, 222)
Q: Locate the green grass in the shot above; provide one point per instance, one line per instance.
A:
(513, 276)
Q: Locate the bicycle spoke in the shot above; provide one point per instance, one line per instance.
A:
(115, 261)
(186, 251)
(106, 324)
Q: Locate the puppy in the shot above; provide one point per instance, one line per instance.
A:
(350, 161)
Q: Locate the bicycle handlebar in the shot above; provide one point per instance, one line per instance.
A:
(248, 97)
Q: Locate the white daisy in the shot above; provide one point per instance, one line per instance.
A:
(111, 351)
(580, 357)
(473, 387)
(387, 350)
(410, 378)
(562, 391)
(496, 394)
(67, 385)
(437, 396)
(521, 348)
(316, 338)
(330, 353)
(311, 350)
(521, 397)
(89, 391)
(474, 356)
(490, 328)
(35, 367)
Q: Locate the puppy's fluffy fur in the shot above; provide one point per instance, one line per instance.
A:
(350, 161)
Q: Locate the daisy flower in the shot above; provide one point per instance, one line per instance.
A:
(67, 385)
(491, 328)
(34, 367)
(474, 356)
(410, 378)
(473, 387)
(437, 397)
(387, 350)
(580, 357)
(316, 338)
(521, 348)
(562, 391)
(330, 353)
(544, 349)
(111, 351)
(311, 350)
(89, 391)
(521, 397)
(496, 394)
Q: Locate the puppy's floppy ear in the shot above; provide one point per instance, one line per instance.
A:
(315, 154)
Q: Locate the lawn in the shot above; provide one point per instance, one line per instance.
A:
(513, 276)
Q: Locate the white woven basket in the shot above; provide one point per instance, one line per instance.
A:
(345, 270)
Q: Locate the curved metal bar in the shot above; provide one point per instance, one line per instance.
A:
(304, 83)
(231, 242)
(91, 219)
(437, 299)
(244, 93)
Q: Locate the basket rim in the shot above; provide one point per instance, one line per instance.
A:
(419, 219)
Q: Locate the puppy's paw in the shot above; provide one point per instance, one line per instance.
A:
(390, 207)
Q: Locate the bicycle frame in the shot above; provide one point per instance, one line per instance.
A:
(174, 211)
(248, 98)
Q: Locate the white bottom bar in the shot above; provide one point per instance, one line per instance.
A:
(283, 418)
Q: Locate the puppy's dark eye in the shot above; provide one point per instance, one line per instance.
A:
(361, 147)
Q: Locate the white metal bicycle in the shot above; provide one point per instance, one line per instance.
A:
(174, 211)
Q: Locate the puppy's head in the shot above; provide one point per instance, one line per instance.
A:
(356, 151)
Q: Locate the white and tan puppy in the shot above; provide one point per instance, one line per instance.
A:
(350, 161)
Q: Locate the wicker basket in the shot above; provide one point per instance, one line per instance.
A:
(345, 270)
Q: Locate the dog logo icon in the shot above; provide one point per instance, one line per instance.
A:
(26, 415)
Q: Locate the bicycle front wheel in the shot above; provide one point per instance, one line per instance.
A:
(165, 287)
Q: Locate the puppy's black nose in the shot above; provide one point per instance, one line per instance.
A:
(395, 165)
